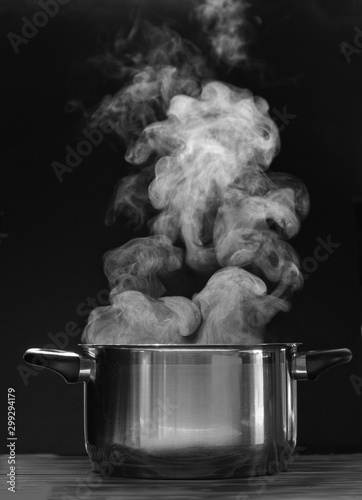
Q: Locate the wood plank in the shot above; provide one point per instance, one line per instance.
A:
(313, 477)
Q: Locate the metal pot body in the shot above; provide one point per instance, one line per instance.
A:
(195, 412)
(189, 411)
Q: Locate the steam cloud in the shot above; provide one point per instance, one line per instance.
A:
(137, 312)
(201, 150)
(224, 22)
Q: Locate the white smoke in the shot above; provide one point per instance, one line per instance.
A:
(225, 25)
(137, 313)
(202, 150)
(208, 144)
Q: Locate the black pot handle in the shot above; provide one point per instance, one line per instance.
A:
(71, 366)
(310, 364)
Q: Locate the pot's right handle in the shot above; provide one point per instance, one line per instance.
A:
(310, 364)
(71, 366)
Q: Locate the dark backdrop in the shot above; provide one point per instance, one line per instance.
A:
(53, 234)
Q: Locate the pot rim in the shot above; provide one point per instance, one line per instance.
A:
(194, 347)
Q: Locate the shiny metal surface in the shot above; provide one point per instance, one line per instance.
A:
(87, 370)
(299, 367)
(190, 411)
(195, 411)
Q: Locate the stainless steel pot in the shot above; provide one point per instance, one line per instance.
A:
(176, 411)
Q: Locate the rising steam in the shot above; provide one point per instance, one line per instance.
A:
(224, 23)
(201, 150)
(137, 314)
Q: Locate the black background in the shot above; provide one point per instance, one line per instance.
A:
(54, 235)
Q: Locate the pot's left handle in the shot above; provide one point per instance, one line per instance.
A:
(70, 365)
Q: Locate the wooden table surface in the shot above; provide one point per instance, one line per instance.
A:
(47, 477)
